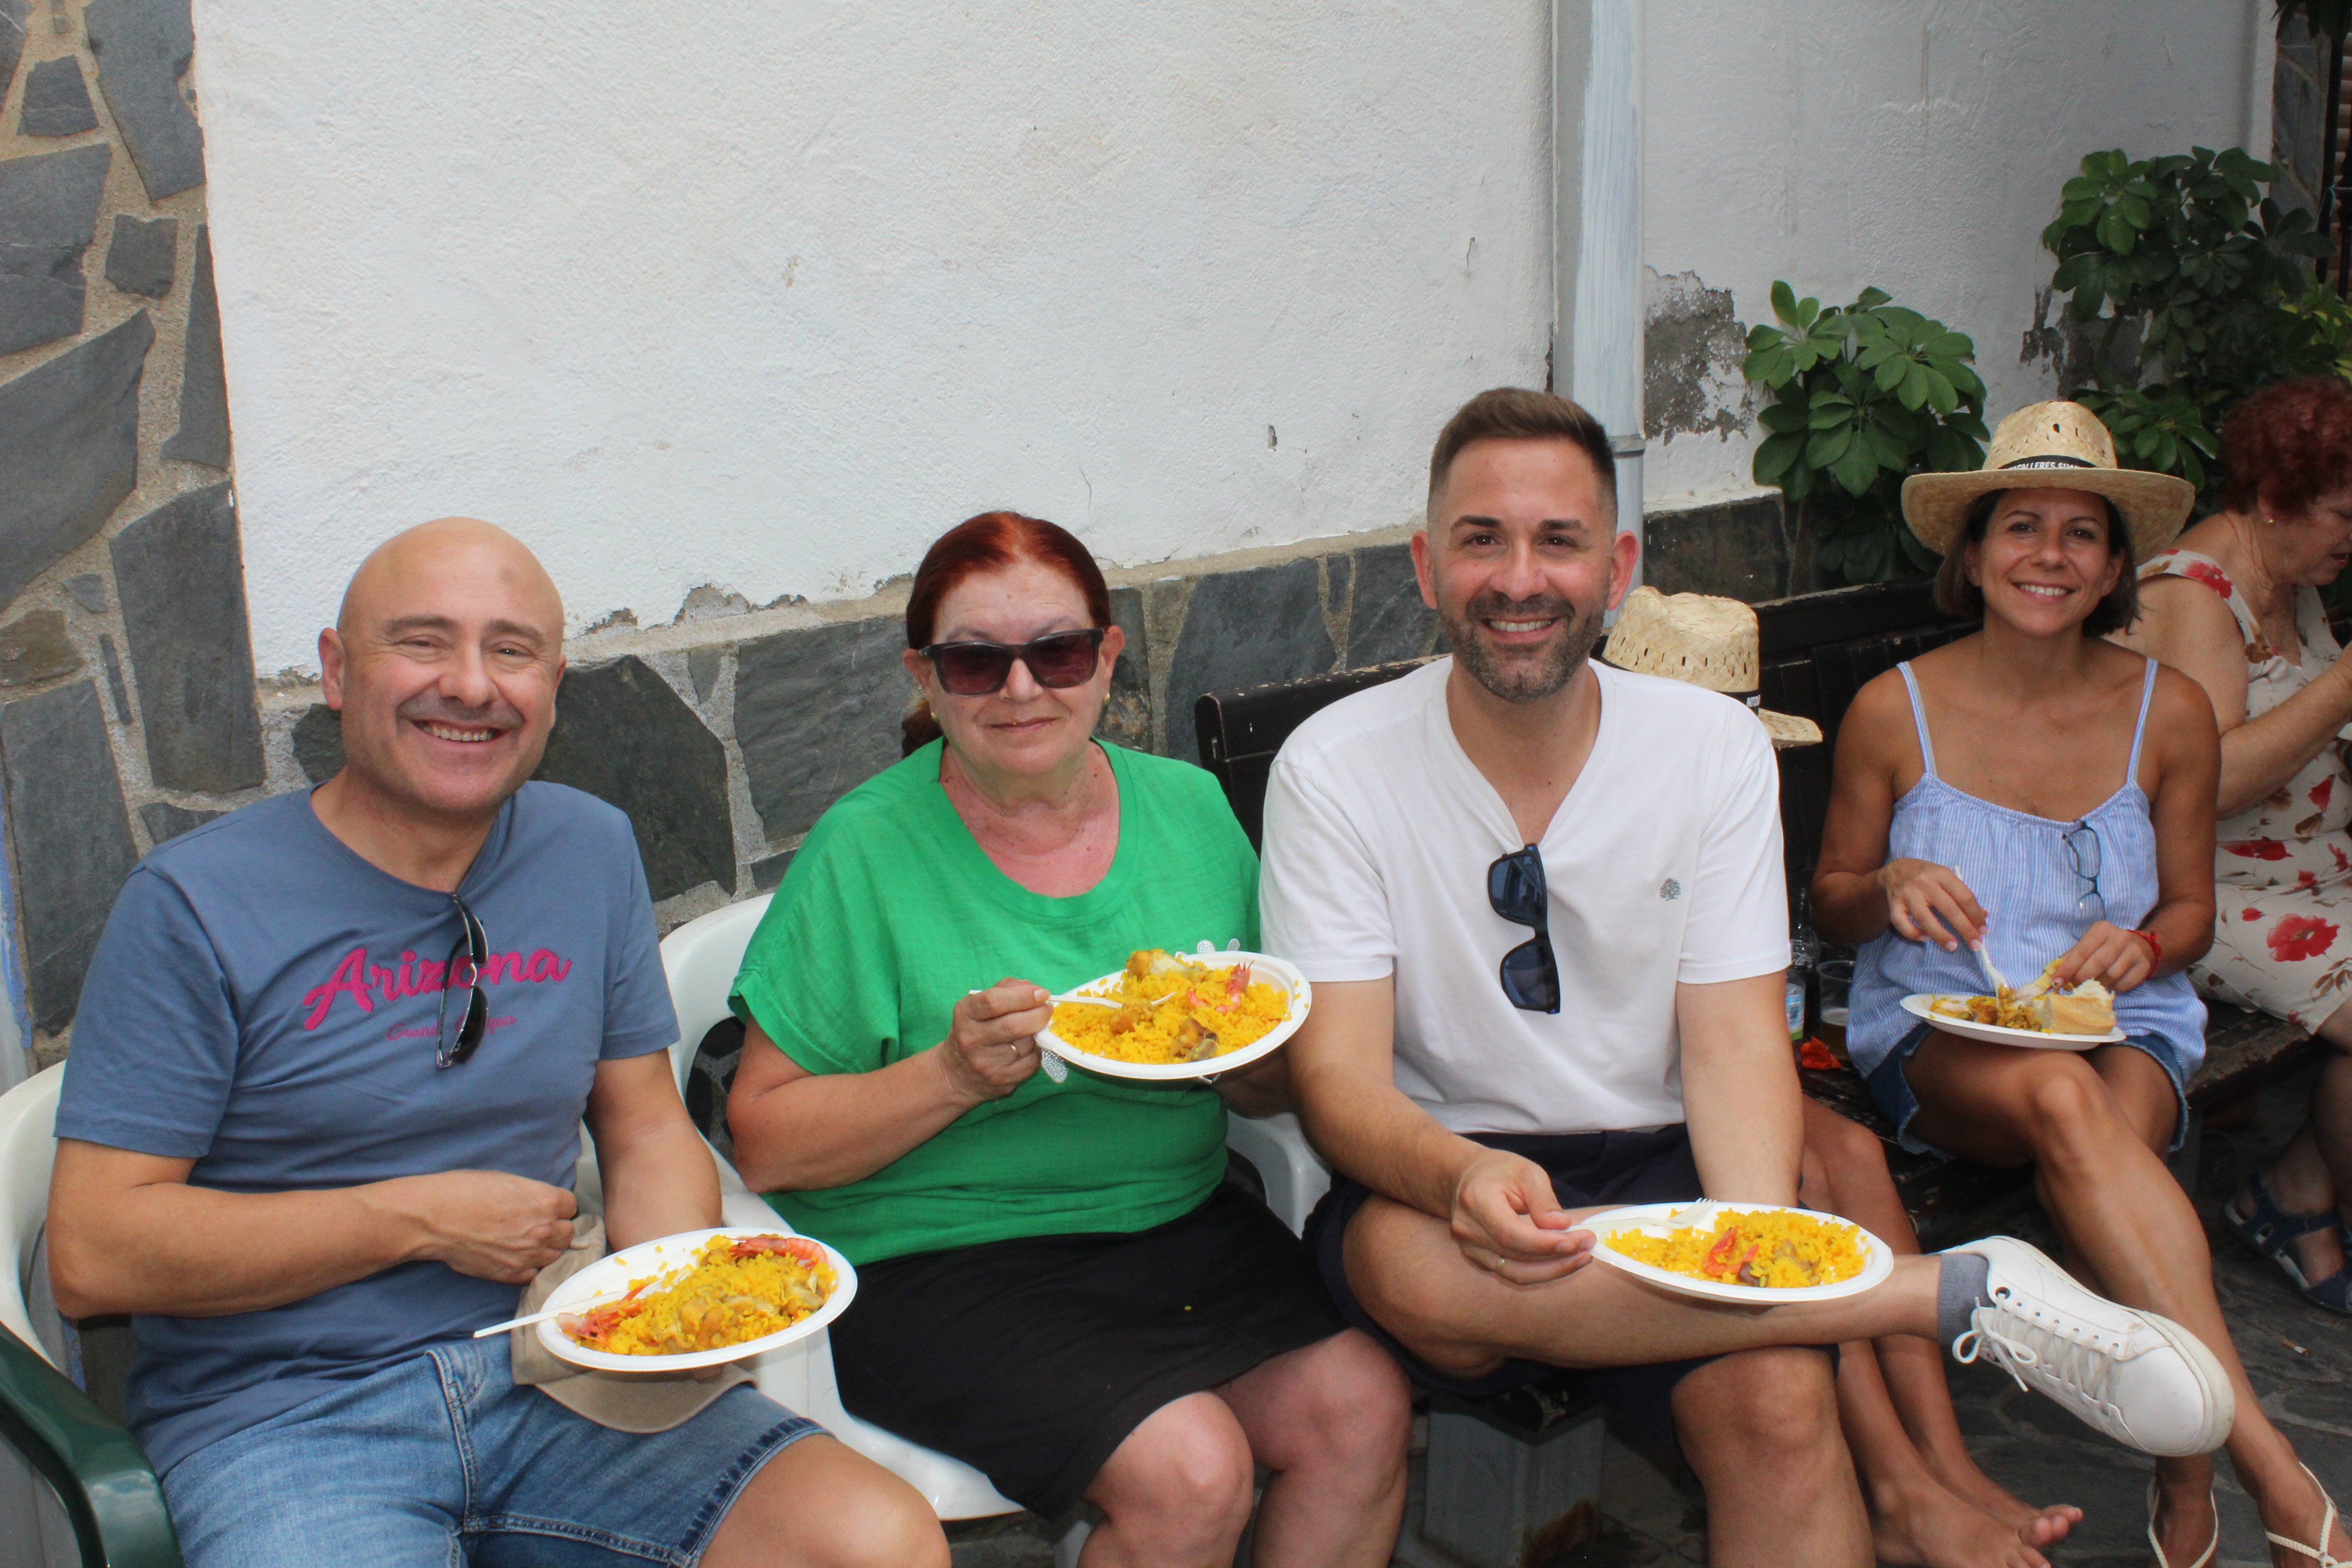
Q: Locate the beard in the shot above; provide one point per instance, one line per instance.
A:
(1522, 675)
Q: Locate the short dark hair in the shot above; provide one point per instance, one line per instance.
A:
(1963, 600)
(1515, 413)
(2287, 444)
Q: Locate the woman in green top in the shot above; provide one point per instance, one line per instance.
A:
(1055, 1284)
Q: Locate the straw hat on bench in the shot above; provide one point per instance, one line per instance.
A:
(1710, 643)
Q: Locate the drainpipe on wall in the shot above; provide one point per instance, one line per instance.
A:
(1597, 304)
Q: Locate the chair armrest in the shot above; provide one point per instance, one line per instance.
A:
(1295, 1178)
(107, 1488)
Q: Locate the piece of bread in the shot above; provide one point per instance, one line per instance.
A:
(2090, 1009)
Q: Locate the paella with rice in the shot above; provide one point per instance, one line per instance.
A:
(1776, 1249)
(737, 1289)
(1171, 1009)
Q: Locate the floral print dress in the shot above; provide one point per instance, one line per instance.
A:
(2281, 868)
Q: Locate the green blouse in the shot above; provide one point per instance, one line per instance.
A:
(890, 913)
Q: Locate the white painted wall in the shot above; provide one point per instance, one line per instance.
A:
(1915, 144)
(768, 292)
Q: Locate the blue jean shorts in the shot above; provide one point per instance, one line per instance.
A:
(1890, 1091)
(441, 1461)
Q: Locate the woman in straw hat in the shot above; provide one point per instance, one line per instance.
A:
(2235, 605)
(2036, 793)
(1930, 1503)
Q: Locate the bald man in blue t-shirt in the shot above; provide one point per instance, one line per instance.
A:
(320, 1118)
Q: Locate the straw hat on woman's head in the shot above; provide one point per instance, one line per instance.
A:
(2051, 446)
(1708, 642)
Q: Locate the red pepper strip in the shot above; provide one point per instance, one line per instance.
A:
(1719, 1257)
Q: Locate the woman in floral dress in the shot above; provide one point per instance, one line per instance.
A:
(2235, 603)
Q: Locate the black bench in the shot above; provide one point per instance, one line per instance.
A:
(1818, 651)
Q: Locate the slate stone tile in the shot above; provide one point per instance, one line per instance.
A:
(319, 743)
(181, 578)
(89, 591)
(72, 837)
(163, 820)
(144, 255)
(1736, 551)
(48, 210)
(817, 712)
(114, 686)
(1127, 713)
(626, 737)
(69, 449)
(143, 48)
(34, 648)
(1245, 628)
(202, 435)
(12, 40)
(702, 667)
(768, 875)
(57, 101)
(1388, 620)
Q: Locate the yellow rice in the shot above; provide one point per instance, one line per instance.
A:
(1156, 1007)
(1777, 1250)
(719, 1300)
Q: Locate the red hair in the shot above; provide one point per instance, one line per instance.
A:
(2287, 444)
(991, 542)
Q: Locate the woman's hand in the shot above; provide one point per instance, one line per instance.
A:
(2115, 958)
(1928, 902)
(991, 1044)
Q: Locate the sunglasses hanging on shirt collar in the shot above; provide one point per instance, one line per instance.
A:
(473, 949)
(1530, 974)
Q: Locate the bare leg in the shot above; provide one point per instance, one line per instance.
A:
(1929, 1502)
(1760, 1431)
(1176, 1494)
(822, 1504)
(1331, 1421)
(2090, 1124)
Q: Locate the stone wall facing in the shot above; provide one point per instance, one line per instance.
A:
(129, 708)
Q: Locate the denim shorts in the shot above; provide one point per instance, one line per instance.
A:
(1890, 1091)
(440, 1461)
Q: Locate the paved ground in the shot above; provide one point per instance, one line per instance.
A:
(2300, 1359)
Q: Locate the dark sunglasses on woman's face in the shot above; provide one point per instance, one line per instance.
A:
(977, 668)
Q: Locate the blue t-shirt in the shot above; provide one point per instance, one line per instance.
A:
(263, 1002)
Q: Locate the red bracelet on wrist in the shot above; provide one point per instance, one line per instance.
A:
(2155, 948)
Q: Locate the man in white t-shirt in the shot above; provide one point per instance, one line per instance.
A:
(1542, 906)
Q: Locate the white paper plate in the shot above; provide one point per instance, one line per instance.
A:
(1919, 1004)
(1658, 1219)
(1274, 972)
(611, 1277)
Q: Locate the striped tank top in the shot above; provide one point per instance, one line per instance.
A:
(2025, 877)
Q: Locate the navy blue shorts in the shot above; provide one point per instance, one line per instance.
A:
(1587, 1169)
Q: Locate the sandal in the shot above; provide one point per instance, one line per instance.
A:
(2324, 1558)
(2270, 1231)
(2210, 1547)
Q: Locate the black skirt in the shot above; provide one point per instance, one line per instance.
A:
(1031, 1360)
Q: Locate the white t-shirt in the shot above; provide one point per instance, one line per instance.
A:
(1662, 865)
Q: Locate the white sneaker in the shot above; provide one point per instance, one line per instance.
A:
(2143, 1380)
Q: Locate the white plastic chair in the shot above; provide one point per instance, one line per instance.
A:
(700, 958)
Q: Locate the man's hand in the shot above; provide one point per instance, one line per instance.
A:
(486, 1223)
(1507, 1222)
(991, 1044)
